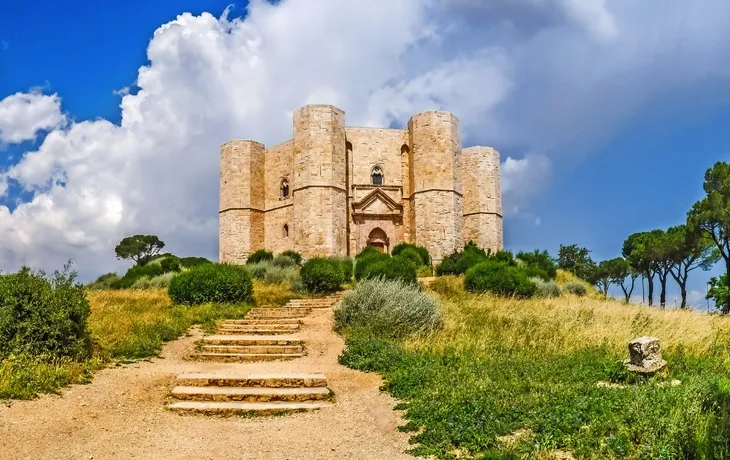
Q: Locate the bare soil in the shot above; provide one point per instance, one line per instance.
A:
(122, 414)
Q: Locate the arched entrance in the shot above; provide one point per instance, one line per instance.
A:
(379, 239)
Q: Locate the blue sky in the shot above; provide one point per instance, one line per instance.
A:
(607, 113)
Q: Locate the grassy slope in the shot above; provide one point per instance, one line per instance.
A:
(503, 365)
(126, 325)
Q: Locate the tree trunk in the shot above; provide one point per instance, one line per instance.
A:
(683, 289)
(650, 283)
(726, 307)
(663, 294)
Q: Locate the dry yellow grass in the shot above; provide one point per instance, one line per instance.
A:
(272, 294)
(571, 322)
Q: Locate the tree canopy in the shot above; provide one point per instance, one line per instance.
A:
(139, 248)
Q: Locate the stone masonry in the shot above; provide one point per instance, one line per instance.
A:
(334, 189)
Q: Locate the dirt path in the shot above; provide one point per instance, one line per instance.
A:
(121, 414)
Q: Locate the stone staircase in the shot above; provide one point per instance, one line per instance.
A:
(241, 394)
(266, 334)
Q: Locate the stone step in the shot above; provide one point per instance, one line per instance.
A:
(242, 408)
(251, 340)
(250, 394)
(280, 312)
(254, 349)
(229, 322)
(259, 330)
(245, 357)
(269, 380)
(244, 327)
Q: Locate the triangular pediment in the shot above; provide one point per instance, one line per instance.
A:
(377, 202)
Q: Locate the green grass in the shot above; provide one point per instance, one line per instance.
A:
(501, 366)
(126, 325)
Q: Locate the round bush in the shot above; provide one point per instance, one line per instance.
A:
(218, 283)
(170, 264)
(412, 255)
(320, 275)
(499, 278)
(447, 267)
(190, 262)
(43, 315)
(390, 308)
(262, 255)
(347, 266)
(575, 288)
(283, 261)
(362, 261)
(368, 251)
(467, 260)
(258, 270)
(545, 288)
(423, 252)
(394, 269)
(294, 255)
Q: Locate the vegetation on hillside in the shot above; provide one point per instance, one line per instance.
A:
(508, 378)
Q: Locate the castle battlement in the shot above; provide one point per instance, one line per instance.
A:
(333, 189)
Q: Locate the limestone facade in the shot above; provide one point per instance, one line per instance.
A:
(334, 189)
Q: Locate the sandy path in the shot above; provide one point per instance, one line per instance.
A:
(121, 414)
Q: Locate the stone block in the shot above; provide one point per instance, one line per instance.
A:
(645, 356)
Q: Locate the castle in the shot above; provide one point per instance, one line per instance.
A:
(334, 189)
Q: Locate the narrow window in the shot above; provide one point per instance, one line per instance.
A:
(284, 188)
(377, 176)
(285, 231)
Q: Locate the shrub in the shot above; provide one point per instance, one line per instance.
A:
(283, 261)
(162, 281)
(321, 275)
(347, 267)
(103, 282)
(393, 268)
(472, 247)
(294, 255)
(363, 260)
(423, 252)
(190, 262)
(424, 271)
(545, 288)
(262, 255)
(135, 273)
(499, 278)
(219, 283)
(43, 315)
(503, 256)
(258, 270)
(448, 266)
(533, 271)
(575, 288)
(412, 255)
(170, 264)
(540, 259)
(279, 275)
(368, 251)
(469, 259)
(391, 308)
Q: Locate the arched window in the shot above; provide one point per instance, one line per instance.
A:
(377, 176)
(284, 187)
(285, 231)
(405, 150)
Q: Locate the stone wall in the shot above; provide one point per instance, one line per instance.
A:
(436, 182)
(278, 208)
(319, 174)
(482, 197)
(241, 200)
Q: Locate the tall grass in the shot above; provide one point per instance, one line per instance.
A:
(501, 366)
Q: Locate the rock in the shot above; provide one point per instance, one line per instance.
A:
(645, 356)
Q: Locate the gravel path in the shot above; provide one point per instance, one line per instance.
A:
(121, 414)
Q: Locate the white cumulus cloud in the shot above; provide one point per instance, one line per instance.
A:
(24, 115)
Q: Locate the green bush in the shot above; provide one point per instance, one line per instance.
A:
(320, 275)
(294, 255)
(347, 266)
(365, 259)
(190, 262)
(448, 266)
(262, 255)
(258, 270)
(422, 252)
(279, 275)
(367, 252)
(218, 283)
(533, 271)
(412, 255)
(499, 278)
(138, 271)
(393, 268)
(469, 259)
(103, 282)
(43, 315)
(170, 264)
(391, 308)
(424, 271)
(575, 288)
(541, 260)
(160, 281)
(545, 288)
(283, 261)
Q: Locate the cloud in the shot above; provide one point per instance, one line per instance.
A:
(24, 115)
(546, 84)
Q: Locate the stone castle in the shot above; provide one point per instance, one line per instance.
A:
(334, 189)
